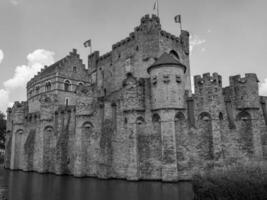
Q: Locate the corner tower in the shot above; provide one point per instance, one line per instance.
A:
(167, 77)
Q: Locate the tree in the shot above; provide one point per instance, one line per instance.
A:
(2, 130)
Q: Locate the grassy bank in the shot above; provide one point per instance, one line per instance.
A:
(242, 181)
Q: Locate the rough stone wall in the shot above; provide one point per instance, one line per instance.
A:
(120, 124)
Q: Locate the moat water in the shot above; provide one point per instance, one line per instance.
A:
(18, 185)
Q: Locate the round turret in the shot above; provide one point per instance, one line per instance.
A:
(167, 83)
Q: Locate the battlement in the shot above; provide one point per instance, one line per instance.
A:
(245, 90)
(237, 79)
(20, 105)
(208, 79)
(148, 20)
(169, 36)
(125, 41)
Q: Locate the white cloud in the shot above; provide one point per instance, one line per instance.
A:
(263, 87)
(23, 73)
(14, 2)
(1, 56)
(4, 100)
(195, 41)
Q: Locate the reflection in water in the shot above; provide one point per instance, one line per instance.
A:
(33, 186)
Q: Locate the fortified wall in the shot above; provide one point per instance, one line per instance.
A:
(131, 114)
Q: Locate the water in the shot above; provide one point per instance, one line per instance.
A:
(18, 185)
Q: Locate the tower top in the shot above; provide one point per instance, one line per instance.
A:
(166, 59)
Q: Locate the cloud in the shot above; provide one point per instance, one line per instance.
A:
(195, 41)
(14, 2)
(4, 100)
(263, 87)
(23, 73)
(1, 56)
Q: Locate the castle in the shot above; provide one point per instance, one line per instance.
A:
(131, 114)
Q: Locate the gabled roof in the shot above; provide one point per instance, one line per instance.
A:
(166, 59)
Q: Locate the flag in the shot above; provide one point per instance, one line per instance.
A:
(87, 43)
(155, 5)
(177, 19)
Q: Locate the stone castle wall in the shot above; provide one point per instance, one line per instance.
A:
(131, 114)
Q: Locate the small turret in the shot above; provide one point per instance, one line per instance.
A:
(19, 110)
(167, 82)
(245, 91)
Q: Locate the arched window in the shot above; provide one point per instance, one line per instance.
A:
(48, 129)
(67, 85)
(19, 132)
(205, 116)
(37, 89)
(74, 69)
(179, 117)
(220, 116)
(174, 54)
(87, 126)
(244, 124)
(80, 84)
(140, 120)
(206, 140)
(48, 86)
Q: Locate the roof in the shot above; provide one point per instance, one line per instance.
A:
(166, 59)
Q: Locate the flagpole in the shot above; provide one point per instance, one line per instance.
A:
(158, 8)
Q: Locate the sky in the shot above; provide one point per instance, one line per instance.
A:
(227, 36)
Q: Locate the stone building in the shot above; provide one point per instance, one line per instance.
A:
(131, 114)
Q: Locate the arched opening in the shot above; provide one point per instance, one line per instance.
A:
(264, 145)
(74, 69)
(67, 85)
(49, 149)
(220, 116)
(154, 147)
(180, 136)
(19, 132)
(80, 84)
(206, 138)
(174, 54)
(37, 89)
(48, 86)
(244, 124)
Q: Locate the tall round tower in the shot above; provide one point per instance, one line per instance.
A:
(167, 83)
(167, 76)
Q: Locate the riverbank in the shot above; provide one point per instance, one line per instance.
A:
(241, 181)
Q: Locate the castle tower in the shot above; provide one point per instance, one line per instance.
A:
(167, 93)
(209, 103)
(245, 97)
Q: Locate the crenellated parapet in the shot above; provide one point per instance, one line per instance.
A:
(19, 110)
(124, 42)
(245, 91)
(207, 83)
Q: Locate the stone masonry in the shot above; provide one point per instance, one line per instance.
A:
(131, 114)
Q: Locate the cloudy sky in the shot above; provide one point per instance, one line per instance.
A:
(227, 36)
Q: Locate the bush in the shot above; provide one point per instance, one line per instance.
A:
(243, 181)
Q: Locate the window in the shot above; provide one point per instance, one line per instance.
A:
(37, 89)
(48, 86)
(178, 79)
(128, 65)
(80, 84)
(154, 80)
(74, 69)
(174, 54)
(66, 101)
(67, 85)
(166, 78)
